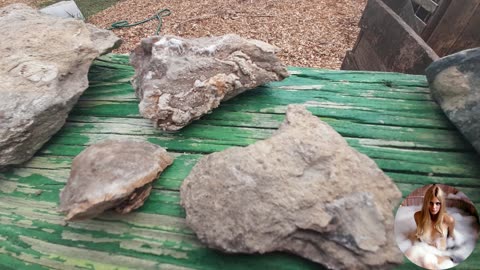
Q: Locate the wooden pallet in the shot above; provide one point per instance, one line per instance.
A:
(387, 116)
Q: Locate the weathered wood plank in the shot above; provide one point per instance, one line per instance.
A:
(420, 25)
(428, 5)
(387, 38)
(404, 9)
(470, 37)
(38, 235)
(435, 19)
(451, 26)
(410, 140)
(402, 49)
(365, 55)
(396, 5)
(389, 159)
(349, 62)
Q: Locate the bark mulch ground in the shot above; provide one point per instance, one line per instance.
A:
(311, 33)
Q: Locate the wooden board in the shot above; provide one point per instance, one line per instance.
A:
(404, 9)
(470, 37)
(435, 18)
(408, 15)
(349, 61)
(388, 116)
(428, 5)
(454, 27)
(387, 43)
(396, 5)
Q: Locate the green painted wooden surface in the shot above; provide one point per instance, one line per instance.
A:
(390, 117)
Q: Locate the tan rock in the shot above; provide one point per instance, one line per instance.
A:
(44, 62)
(112, 174)
(304, 190)
(178, 80)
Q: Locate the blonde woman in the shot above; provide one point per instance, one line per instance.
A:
(434, 226)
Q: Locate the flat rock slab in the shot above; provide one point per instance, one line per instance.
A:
(44, 63)
(112, 174)
(455, 84)
(304, 190)
(64, 9)
(178, 80)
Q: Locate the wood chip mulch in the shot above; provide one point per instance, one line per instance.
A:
(311, 33)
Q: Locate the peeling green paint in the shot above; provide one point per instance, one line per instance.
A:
(388, 116)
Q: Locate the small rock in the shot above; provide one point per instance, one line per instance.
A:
(455, 85)
(178, 80)
(44, 62)
(304, 190)
(112, 174)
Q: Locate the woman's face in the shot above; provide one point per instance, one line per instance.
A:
(434, 206)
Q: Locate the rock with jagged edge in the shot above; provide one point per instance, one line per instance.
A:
(304, 190)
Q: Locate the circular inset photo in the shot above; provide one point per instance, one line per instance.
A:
(436, 227)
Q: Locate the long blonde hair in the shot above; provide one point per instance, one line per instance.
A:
(425, 218)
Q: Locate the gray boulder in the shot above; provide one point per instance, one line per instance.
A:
(304, 190)
(44, 63)
(178, 80)
(112, 174)
(455, 84)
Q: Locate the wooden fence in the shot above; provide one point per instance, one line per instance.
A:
(448, 26)
(387, 43)
(438, 27)
(455, 26)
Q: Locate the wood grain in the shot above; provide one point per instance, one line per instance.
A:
(451, 26)
(387, 43)
(388, 116)
(428, 5)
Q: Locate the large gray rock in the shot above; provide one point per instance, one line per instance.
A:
(112, 174)
(455, 84)
(178, 80)
(44, 63)
(304, 190)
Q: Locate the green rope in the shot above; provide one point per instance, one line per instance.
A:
(158, 16)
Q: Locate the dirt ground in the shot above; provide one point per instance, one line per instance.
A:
(311, 33)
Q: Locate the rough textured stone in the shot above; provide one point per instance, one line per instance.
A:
(304, 190)
(112, 174)
(455, 84)
(44, 63)
(178, 80)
